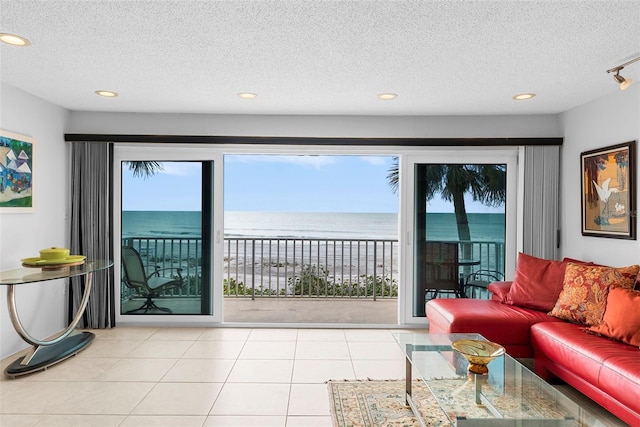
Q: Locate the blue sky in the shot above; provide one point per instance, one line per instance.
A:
(308, 184)
(271, 184)
(274, 183)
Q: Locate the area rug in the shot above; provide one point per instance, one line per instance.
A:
(366, 403)
(381, 404)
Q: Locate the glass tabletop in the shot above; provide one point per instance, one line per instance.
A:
(36, 274)
(510, 391)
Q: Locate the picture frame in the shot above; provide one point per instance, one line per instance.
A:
(609, 191)
(17, 154)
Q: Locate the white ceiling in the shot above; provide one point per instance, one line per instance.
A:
(320, 57)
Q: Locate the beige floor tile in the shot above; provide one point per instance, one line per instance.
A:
(268, 350)
(267, 334)
(177, 334)
(367, 350)
(319, 371)
(161, 349)
(163, 421)
(369, 335)
(200, 371)
(215, 350)
(225, 334)
(309, 421)
(379, 369)
(37, 397)
(74, 369)
(124, 333)
(116, 398)
(322, 350)
(130, 369)
(309, 399)
(245, 421)
(178, 378)
(261, 371)
(109, 348)
(321, 335)
(82, 420)
(252, 399)
(20, 420)
(179, 399)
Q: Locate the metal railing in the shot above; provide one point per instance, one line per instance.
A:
(358, 268)
(297, 268)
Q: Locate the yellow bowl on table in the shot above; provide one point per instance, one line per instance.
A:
(54, 254)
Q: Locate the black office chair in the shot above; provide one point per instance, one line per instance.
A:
(479, 280)
(147, 285)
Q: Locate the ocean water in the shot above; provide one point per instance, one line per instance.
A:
(440, 226)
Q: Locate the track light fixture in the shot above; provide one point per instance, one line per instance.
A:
(622, 82)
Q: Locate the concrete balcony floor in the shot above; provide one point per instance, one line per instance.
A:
(286, 310)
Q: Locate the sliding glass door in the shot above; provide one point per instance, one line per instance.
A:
(461, 223)
(166, 230)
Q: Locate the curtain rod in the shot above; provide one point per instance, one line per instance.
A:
(328, 141)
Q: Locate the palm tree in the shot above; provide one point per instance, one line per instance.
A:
(145, 169)
(486, 183)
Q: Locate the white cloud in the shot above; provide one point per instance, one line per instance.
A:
(375, 160)
(181, 168)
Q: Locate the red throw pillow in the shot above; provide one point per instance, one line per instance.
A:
(584, 295)
(537, 283)
(621, 319)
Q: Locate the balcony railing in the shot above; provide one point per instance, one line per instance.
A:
(297, 268)
(311, 268)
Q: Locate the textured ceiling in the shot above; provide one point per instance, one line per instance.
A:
(320, 57)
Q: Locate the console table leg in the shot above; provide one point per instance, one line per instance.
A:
(45, 353)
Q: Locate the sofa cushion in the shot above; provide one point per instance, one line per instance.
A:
(621, 319)
(536, 283)
(620, 377)
(507, 325)
(567, 345)
(584, 293)
(499, 290)
(609, 366)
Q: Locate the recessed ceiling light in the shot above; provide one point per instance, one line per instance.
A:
(247, 95)
(523, 96)
(107, 93)
(387, 96)
(14, 40)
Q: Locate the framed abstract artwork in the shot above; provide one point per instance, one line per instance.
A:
(16, 172)
(608, 191)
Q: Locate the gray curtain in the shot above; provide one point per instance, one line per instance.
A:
(541, 201)
(91, 229)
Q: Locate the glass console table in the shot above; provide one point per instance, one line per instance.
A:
(511, 395)
(65, 343)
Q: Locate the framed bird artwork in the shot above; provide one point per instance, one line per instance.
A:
(608, 191)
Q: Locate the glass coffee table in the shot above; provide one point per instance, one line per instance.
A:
(509, 395)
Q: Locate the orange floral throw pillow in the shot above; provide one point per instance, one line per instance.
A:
(621, 319)
(584, 293)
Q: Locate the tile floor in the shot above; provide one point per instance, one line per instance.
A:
(199, 377)
(132, 376)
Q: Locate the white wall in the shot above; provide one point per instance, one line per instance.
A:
(610, 120)
(316, 126)
(42, 307)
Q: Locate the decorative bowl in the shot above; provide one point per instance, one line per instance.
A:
(478, 353)
(53, 253)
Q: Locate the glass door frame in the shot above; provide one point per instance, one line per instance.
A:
(463, 155)
(170, 153)
(407, 158)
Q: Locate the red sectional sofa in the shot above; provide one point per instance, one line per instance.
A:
(606, 370)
